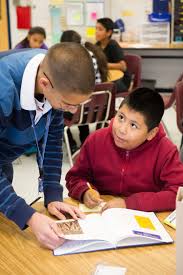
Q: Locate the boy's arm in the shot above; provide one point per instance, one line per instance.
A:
(80, 173)
(171, 177)
(53, 160)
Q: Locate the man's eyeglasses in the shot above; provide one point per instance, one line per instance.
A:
(49, 80)
(65, 103)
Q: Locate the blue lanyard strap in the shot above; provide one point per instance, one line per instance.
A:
(41, 152)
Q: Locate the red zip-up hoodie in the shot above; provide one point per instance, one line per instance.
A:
(147, 177)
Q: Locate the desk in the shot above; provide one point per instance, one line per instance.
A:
(115, 75)
(22, 255)
(162, 62)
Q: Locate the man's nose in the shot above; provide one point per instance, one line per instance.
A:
(72, 109)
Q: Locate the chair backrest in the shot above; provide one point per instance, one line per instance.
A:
(134, 66)
(101, 108)
(171, 98)
(179, 104)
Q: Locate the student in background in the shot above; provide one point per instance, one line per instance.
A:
(113, 52)
(132, 158)
(35, 91)
(34, 39)
(101, 72)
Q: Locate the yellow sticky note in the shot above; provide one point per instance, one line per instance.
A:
(127, 13)
(145, 222)
(90, 31)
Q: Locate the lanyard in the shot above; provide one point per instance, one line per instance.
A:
(41, 152)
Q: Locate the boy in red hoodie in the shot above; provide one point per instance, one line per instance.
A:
(132, 159)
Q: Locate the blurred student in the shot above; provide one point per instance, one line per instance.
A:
(132, 159)
(101, 72)
(34, 39)
(113, 52)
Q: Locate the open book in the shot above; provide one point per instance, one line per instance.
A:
(114, 228)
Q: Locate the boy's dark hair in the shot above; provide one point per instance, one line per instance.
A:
(70, 67)
(70, 36)
(107, 23)
(33, 30)
(147, 102)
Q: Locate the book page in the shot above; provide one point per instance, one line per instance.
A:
(90, 228)
(130, 223)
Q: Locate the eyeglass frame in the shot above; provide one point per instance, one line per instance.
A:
(67, 104)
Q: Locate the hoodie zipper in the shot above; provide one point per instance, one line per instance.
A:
(127, 153)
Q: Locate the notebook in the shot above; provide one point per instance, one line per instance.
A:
(114, 228)
(171, 219)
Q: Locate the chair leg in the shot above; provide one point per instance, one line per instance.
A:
(68, 145)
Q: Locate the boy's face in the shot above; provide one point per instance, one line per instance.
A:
(101, 32)
(130, 130)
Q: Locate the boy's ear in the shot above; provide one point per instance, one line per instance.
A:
(152, 133)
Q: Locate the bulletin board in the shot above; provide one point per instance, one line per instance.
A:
(94, 10)
(74, 14)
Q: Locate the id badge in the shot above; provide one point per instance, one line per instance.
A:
(40, 185)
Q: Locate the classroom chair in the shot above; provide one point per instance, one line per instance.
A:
(100, 109)
(134, 66)
(179, 111)
(169, 100)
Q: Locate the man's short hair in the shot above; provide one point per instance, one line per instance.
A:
(147, 102)
(70, 67)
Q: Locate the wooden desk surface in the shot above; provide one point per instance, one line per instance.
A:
(21, 254)
(115, 75)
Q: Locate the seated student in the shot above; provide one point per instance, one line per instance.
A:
(101, 71)
(132, 158)
(113, 52)
(34, 39)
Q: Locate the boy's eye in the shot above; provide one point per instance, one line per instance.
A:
(121, 117)
(134, 126)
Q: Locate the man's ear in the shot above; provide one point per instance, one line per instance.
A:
(109, 33)
(152, 133)
(44, 83)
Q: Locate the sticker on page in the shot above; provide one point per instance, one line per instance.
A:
(69, 227)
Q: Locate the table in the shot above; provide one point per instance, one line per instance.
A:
(162, 62)
(115, 75)
(21, 254)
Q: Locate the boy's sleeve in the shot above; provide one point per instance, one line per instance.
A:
(53, 190)
(170, 178)
(80, 173)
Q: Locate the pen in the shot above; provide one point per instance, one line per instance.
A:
(89, 185)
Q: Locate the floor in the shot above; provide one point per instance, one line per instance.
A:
(26, 172)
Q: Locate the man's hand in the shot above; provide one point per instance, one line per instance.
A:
(115, 203)
(45, 230)
(56, 208)
(92, 198)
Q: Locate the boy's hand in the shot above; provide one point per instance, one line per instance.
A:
(115, 203)
(45, 230)
(55, 208)
(91, 198)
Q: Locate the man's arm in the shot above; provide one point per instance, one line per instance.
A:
(53, 160)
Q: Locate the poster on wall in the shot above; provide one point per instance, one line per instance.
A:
(74, 14)
(55, 14)
(94, 10)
